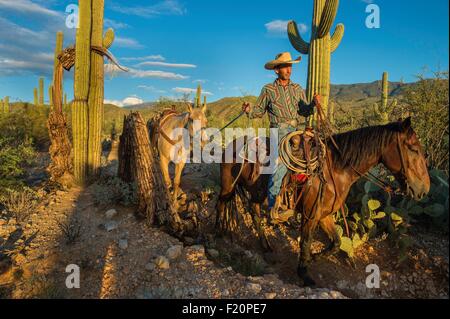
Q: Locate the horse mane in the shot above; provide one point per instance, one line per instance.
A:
(360, 145)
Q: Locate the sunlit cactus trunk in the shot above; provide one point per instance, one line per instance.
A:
(198, 97)
(41, 91)
(319, 49)
(383, 110)
(36, 97)
(81, 92)
(58, 50)
(96, 90)
(50, 95)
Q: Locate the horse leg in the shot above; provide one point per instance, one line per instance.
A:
(223, 207)
(259, 223)
(177, 178)
(164, 164)
(307, 232)
(328, 226)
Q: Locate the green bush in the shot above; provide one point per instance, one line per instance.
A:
(14, 156)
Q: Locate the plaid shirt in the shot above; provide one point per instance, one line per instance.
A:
(281, 102)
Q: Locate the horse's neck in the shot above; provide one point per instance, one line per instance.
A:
(176, 121)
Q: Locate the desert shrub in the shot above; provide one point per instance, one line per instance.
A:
(27, 122)
(427, 102)
(14, 156)
(19, 204)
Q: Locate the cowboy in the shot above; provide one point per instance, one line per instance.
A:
(285, 102)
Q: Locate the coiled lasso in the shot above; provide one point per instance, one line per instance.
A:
(293, 163)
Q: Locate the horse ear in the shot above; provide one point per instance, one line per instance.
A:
(190, 107)
(406, 124)
(204, 108)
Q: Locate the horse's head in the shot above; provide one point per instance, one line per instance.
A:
(198, 120)
(404, 157)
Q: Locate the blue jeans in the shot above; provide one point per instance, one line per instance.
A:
(276, 179)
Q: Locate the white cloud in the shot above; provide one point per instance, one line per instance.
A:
(151, 89)
(27, 7)
(279, 27)
(112, 70)
(127, 43)
(167, 65)
(165, 7)
(199, 81)
(143, 58)
(189, 90)
(131, 100)
(109, 23)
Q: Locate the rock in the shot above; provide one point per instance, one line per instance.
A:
(174, 252)
(270, 295)
(162, 262)
(213, 253)
(254, 287)
(110, 213)
(110, 226)
(150, 267)
(335, 294)
(225, 293)
(189, 240)
(123, 244)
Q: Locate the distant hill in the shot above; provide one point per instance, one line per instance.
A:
(358, 91)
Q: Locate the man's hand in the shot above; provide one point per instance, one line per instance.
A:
(246, 107)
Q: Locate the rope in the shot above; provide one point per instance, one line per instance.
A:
(296, 164)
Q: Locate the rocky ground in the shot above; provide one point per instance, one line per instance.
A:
(120, 256)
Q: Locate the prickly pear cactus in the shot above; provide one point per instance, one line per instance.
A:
(319, 49)
(383, 110)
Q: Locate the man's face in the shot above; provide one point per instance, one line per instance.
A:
(284, 71)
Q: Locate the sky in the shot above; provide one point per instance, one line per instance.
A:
(170, 46)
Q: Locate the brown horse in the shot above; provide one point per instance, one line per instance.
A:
(395, 145)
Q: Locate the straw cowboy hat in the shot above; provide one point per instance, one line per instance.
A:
(281, 58)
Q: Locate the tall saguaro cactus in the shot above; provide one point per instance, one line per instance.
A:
(58, 50)
(36, 98)
(41, 91)
(96, 90)
(319, 49)
(384, 109)
(198, 97)
(81, 91)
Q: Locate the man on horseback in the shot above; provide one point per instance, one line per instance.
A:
(287, 107)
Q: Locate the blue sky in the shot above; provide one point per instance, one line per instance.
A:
(172, 45)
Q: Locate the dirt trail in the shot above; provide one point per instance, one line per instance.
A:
(121, 257)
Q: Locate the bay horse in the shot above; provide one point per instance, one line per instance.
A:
(170, 144)
(351, 154)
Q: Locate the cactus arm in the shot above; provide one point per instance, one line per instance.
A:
(296, 39)
(108, 38)
(327, 18)
(336, 37)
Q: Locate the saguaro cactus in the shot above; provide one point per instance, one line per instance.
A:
(204, 101)
(81, 91)
(319, 49)
(41, 91)
(96, 90)
(50, 95)
(198, 97)
(65, 101)
(58, 50)
(383, 110)
(35, 95)
(6, 104)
